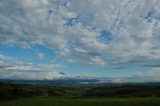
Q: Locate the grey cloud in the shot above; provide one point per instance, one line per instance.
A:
(43, 22)
(141, 77)
(119, 67)
(152, 65)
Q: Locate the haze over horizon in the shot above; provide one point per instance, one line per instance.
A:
(49, 39)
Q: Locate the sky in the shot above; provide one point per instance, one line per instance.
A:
(50, 39)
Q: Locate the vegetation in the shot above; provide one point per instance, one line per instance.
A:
(126, 91)
(51, 101)
(14, 91)
(80, 95)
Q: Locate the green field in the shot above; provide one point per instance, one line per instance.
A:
(52, 101)
(79, 95)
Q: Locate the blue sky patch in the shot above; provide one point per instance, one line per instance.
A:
(105, 37)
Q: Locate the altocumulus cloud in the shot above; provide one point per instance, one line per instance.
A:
(92, 32)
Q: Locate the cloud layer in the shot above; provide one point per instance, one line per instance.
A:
(22, 70)
(74, 28)
(87, 32)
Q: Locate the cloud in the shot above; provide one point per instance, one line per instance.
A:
(152, 75)
(41, 55)
(97, 61)
(73, 28)
(121, 67)
(23, 70)
(4, 57)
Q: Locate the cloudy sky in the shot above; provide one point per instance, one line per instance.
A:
(47, 39)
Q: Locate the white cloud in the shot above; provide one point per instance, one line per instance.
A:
(152, 75)
(97, 61)
(4, 57)
(41, 55)
(23, 70)
(134, 25)
(19, 68)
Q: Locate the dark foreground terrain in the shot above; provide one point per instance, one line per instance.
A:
(80, 95)
(51, 101)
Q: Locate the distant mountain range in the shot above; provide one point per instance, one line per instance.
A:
(53, 81)
(70, 81)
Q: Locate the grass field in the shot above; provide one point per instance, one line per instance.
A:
(77, 95)
(52, 101)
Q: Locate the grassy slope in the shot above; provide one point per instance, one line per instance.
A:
(50, 101)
